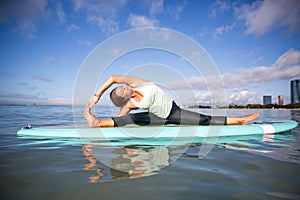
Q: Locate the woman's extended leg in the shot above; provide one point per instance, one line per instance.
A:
(186, 117)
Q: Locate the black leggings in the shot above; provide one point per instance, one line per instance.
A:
(177, 116)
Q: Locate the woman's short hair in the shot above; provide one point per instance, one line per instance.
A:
(117, 100)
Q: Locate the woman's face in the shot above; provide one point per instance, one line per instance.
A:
(124, 91)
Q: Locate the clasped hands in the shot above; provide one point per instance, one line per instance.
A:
(92, 101)
(89, 104)
(88, 116)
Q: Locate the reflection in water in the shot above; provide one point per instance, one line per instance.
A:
(91, 165)
(276, 146)
(244, 145)
(126, 162)
(112, 163)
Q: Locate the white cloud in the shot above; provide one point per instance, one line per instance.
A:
(17, 95)
(84, 42)
(219, 7)
(51, 59)
(26, 14)
(289, 58)
(73, 27)
(210, 98)
(108, 25)
(244, 97)
(60, 13)
(101, 13)
(139, 21)
(178, 10)
(43, 78)
(60, 101)
(256, 55)
(26, 29)
(156, 7)
(239, 97)
(287, 66)
(99, 7)
(262, 16)
(223, 29)
(203, 98)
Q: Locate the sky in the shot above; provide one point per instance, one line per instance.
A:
(255, 46)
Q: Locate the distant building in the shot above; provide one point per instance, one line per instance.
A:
(280, 100)
(295, 91)
(267, 99)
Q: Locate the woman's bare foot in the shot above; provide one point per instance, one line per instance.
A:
(251, 117)
(241, 120)
(91, 119)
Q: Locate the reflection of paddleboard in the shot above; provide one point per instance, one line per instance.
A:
(159, 132)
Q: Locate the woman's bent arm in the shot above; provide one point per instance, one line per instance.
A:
(128, 80)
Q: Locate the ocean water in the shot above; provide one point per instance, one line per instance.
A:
(45, 168)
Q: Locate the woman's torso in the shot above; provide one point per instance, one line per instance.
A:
(153, 99)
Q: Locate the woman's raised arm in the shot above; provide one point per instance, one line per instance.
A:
(128, 80)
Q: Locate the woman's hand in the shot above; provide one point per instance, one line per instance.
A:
(92, 101)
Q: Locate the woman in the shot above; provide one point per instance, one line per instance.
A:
(141, 94)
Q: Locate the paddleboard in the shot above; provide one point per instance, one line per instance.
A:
(160, 132)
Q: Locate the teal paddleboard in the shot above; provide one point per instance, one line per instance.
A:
(159, 132)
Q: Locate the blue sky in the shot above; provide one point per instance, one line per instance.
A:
(254, 44)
